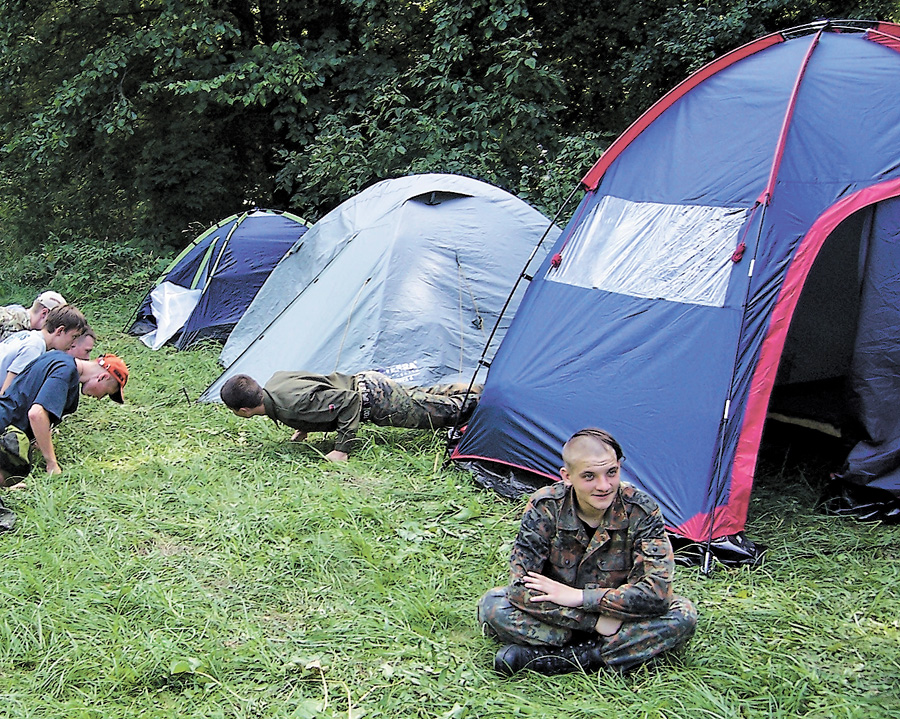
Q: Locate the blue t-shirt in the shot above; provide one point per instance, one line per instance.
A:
(50, 381)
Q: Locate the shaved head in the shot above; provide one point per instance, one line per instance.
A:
(587, 440)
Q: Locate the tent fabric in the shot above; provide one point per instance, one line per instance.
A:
(408, 277)
(874, 380)
(693, 244)
(172, 305)
(228, 263)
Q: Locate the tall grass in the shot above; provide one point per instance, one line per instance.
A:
(189, 563)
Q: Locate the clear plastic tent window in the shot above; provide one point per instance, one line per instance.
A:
(680, 253)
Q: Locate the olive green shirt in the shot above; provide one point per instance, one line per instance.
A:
(315, 403)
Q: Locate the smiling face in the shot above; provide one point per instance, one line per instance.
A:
(592, 470)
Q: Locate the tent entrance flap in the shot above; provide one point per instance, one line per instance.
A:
(838, 370)
(811, 387)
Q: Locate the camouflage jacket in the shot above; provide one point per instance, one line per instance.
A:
(625, 568)
(13, 318)
(315, 403)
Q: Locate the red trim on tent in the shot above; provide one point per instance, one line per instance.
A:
(732, 517)
(888, 28)
(766, 195)
(592, 178)
(890, 40)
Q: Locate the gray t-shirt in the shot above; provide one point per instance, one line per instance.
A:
(18, 350)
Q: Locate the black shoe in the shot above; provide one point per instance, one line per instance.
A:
(585, 656)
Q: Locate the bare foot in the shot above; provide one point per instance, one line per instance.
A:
(17, 487)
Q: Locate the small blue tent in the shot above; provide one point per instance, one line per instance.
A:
(740, 239)
(225, 267)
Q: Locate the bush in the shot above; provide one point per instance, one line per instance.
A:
(82, 267)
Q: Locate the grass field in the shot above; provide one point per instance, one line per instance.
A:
(188, 563)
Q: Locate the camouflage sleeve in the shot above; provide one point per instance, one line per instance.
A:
(13, 318)
(530, 553)
(648, 589)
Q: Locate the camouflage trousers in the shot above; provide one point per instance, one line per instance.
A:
(392, 404)
(15, 456)
(634, 643)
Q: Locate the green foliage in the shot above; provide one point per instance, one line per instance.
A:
(126, 119)
(81, 268)
(472, 99)
(617, 59)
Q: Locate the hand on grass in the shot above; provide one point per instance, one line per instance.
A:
(299, 436)
(549, 590)
(53, 468)
(337, 456)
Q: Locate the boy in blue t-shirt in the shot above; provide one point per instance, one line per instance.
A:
(41, 396)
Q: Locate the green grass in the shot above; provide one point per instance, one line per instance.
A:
(189, 563)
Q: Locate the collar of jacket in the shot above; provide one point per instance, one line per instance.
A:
(269, 405)
(616, 517)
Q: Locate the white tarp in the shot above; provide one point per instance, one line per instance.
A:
(171, 305)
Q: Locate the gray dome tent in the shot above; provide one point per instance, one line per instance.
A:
(408, 277)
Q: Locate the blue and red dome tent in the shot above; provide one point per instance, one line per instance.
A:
(744, 229)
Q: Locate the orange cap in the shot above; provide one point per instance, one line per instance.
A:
(119, 370)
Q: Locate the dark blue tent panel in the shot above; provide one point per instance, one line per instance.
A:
(874, 379)
(663, 309)
(228, 263)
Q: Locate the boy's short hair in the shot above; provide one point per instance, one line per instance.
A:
(598, 434)
(241, 392)
(67, 317)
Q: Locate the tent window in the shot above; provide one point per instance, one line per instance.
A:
(680, 253)
(436, 197)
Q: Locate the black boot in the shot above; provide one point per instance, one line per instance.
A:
(584, 656)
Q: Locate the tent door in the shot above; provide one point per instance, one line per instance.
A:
(811, 387)
(842, 354)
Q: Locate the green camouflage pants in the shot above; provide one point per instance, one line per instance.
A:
(395, 405)
(15, 460)
(634, 643)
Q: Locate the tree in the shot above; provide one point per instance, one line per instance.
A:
(134, 118)
(616, 59)
(140, 116)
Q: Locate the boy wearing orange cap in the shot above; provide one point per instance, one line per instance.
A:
(41, 396)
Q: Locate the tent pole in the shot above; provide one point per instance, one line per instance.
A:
(764, 200)
(454, 433)
(766, 197)
(184, 340)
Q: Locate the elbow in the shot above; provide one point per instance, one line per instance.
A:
(518, 594)
(656, 598)
(36, 413)
(657, 605)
